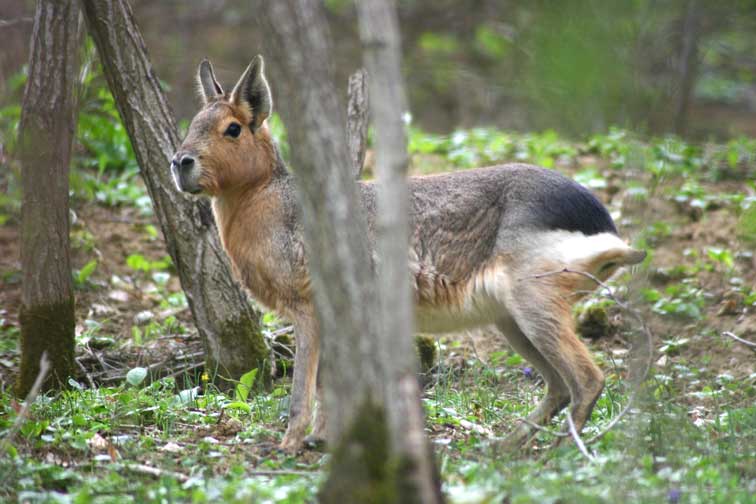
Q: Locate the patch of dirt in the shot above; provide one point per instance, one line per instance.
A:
(116, 297)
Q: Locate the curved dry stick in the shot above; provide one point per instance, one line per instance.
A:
(739, 339)
(649, 340)
(576, 437)
(542, 428)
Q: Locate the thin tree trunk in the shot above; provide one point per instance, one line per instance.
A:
(335, 226)
(363, 466)
(48, 124)
(688, 66)
(228, 325)
(379, 32)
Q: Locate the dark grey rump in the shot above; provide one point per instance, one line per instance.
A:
(522, 195)
(558, 202)
(468, 213)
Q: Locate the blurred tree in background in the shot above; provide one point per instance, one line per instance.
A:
(573, 66)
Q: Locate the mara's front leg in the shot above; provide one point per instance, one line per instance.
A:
(303, 383)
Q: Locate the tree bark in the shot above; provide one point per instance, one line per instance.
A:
(358, 111)
(338, 254)
(228, 325)
(379, 32)
(364, 467)
(688, 65)
(46, 131)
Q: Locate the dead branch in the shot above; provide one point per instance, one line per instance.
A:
(636, 315)
(737, 338)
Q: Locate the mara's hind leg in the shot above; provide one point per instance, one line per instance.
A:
(317, 438)
(546, 321)
(557, 395)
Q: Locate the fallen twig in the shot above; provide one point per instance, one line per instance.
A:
(542, 428)
(272, 341)
(159, 370)
(86, 373)
(649, 341)
(159, 473)
(185, 369)
(282, 472)
(99, 359)
(576, 436)
(155, 471)
(739, 339)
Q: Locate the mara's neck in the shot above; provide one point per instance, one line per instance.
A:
(253, 204)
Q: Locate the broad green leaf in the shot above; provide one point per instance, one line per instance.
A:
(86, 271)
(240, 405)
(136, 376)
(245, 385)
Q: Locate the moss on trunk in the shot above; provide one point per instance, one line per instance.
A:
(426, 352)
(360, 469)
(236, 334)
(46, 328)
(364, 470)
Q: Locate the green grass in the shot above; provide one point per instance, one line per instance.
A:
(659, 452)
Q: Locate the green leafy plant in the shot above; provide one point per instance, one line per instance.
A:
(81, 277)
(136, 376)
(138, 262)
(242, 390)
(680, 300)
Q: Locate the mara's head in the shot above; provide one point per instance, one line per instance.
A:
(228, 144)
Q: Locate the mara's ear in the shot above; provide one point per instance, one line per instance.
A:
(206, 83)
(253, 91)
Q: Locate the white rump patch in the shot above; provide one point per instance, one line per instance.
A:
(570, 247)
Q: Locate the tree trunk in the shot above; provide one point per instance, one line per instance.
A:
(46, 131)
(381, 43)
(688, 66)
(334, 224)
(364, 468)
(228, 325)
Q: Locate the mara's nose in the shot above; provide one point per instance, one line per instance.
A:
(186, 161)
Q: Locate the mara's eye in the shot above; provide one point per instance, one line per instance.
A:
(233, 130)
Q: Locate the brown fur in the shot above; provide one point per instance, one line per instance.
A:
(480, 239)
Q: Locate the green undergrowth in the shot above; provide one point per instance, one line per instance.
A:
(691, 438)
(666, 450)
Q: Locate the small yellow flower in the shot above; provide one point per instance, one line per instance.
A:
(205, 377)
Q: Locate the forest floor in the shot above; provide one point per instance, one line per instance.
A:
(139, 422)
